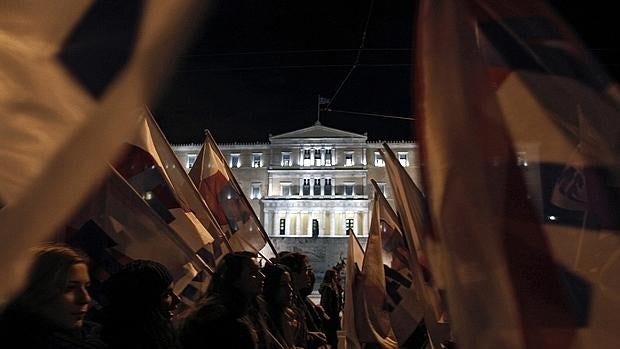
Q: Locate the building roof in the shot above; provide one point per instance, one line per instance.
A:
(318, 131)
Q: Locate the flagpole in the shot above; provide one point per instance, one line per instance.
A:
(318, 109)
(245, 199)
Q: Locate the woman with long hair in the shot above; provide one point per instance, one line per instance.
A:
(49, 312)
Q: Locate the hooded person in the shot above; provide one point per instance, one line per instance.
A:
(139, 307)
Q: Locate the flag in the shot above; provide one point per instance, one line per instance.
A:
(517, 79)
(226, 200)
(373, 319)
(404, 305)
(352, 287)
(423, 246)
(323, 103)
(115, 226)
(148, 163)
(73, 77)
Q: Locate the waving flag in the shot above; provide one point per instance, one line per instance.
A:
(373, 322)
(74, 76)
(226, 200)
(424, 256)
(519, 87)
(352, 289)
(116, 226)
(405, 307)
(149, 165)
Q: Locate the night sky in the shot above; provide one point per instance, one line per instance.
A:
(257, 67)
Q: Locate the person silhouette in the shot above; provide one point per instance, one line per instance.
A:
(139, 306)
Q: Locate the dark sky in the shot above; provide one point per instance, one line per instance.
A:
(257, 66)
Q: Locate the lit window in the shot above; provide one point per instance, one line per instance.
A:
(403, 158)
(257, 160)
(191, 158)
(348, 225)
(328, 157)
(255, 193)
(286, 159)
(348, 189)
(307, 158)
(234, 161)
(282, 226)
(379, 160)
(348, 159)
(286, 189)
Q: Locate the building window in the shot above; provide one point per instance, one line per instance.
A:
(257, 160)
(348, 189)
(348, 225)
(328, 157)
(234, 161)
(255, 193)
(307, 158)
(317, 186)
(315, 228)
(286, 189)
(306, 187)
(348, 159)
(286, 159)
(282, 226)
(191, 158)
(379, 160)
(328, 186)
(317, 157)
(403, 157)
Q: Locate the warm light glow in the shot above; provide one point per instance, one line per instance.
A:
(552, 218)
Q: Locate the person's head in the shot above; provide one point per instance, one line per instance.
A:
(56, 287)
(300, 269)
(331, 276)
(142, 286)
(237, 273)
(277, 291)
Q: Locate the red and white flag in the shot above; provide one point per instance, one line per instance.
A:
(352, 289)
(502, 87)
(423, 246)
(373, 319)
(405, 306)
(74, 78)
(218, 186)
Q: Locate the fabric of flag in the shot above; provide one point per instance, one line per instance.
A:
(404, 306)
(115, 226)
(373, 319)
(423, 246)
(215, 181)
(352, 289)
(149, 165)
(73, 78)
(498, 82)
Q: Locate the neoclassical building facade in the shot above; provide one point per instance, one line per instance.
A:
(311, 182)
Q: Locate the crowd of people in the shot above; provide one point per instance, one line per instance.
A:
(245, 306)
